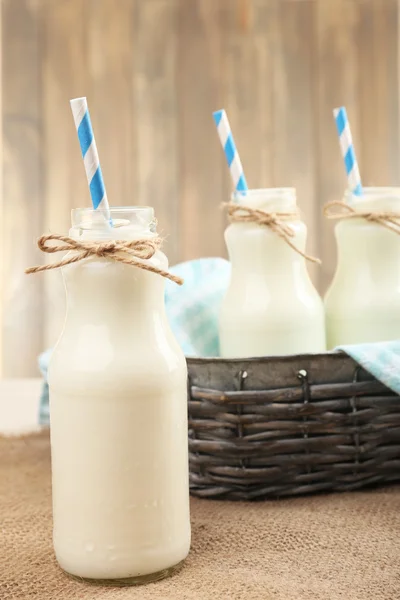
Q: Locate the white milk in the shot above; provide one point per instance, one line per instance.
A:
(271, 306)
(363, 301)
(118, 403)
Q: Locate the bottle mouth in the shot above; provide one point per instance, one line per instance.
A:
(375, 198)
(265, 193)
(123, 222)
(374, 193)
(273, 199)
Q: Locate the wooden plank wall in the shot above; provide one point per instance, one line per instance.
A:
(153, 72)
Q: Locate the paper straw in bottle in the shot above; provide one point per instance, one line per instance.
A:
(231, 153)
(348, 152)
(90, 156)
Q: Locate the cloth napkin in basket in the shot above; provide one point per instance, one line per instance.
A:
(381, 359)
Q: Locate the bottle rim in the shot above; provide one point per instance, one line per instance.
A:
(265, 193)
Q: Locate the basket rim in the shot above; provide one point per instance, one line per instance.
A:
(335, 354)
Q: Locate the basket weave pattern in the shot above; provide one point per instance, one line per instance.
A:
(273, 427)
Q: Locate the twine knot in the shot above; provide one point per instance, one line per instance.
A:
(128, 252)
(275, 221)
(388, 219)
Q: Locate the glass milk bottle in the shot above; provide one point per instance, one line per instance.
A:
(363, 301)
(271, 306)
(118, 413)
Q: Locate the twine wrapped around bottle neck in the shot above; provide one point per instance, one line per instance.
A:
(388, 219)
(239, 213)
(130, 252)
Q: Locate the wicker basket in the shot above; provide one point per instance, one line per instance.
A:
(270, 427)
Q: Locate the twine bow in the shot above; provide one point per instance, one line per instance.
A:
(128, 252)
(390, 220)
(275, 221)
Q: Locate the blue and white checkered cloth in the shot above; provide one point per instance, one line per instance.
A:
(381, 359)
(192, 310)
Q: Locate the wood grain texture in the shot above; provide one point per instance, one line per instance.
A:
(378, 101)
(156, 106)
(22, 306)
(204, 178)
(153, 72)
(293, 84)
(111, 54)
(336, 84)
(248, 90)
(2, 206)
(64, 76)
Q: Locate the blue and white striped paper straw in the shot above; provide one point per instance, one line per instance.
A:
(231, 153)
(90, 155)
(348, 152)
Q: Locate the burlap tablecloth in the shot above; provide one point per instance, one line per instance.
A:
(339, 546)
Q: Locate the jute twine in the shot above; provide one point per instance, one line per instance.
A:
(275, 221)
(128, 252)
(390, 220)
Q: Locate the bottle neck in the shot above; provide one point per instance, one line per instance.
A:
(122, 234)
(368, 257)
(368, 253)
(257, 250)
(103, 293)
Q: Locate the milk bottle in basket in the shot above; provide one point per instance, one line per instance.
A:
(363, 301)
(271, 306)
